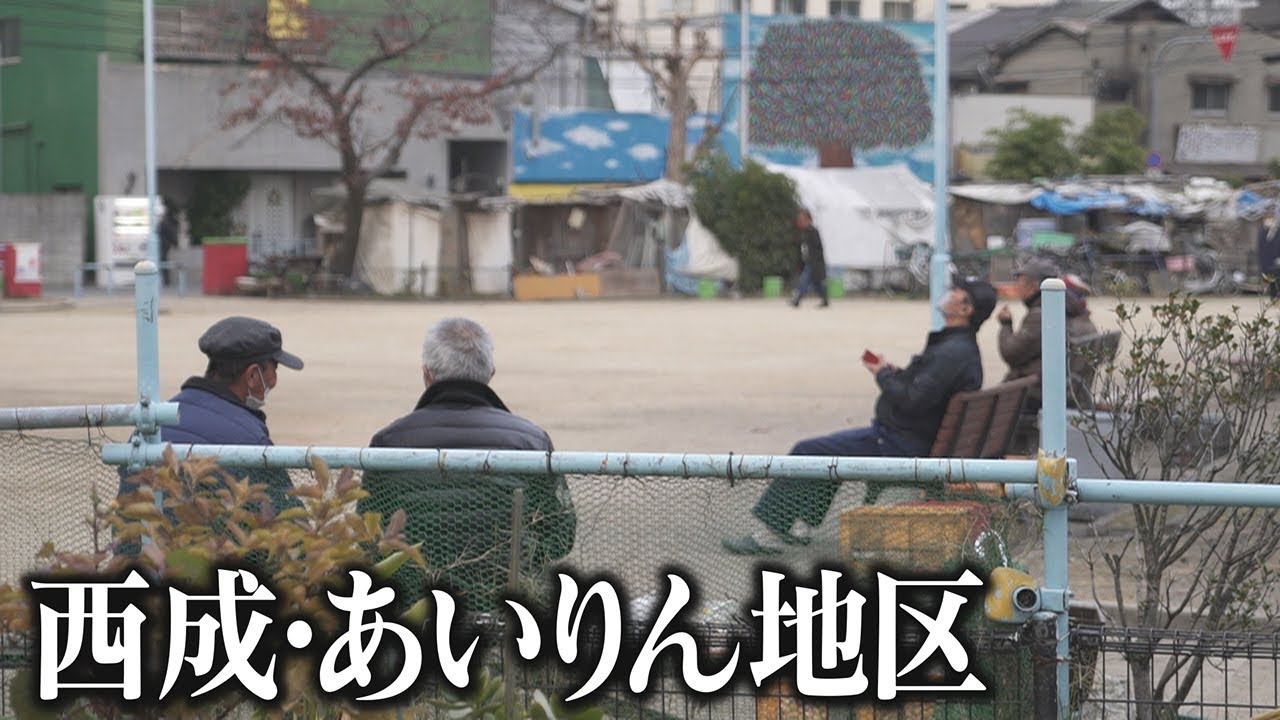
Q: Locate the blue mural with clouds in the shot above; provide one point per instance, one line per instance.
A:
(592, 146)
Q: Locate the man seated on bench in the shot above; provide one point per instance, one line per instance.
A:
(1020, 349)
(912, 403)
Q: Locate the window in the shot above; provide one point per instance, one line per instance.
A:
(1209, 98)
(676, 7)
(9, 48)
(789, 7)
(844, 8)
(735, 6)
(1114, 90)
(899, 10)
(1273, 98)
(957, 6)
(1014, 87)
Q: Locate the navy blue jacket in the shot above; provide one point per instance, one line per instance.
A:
(209, 414)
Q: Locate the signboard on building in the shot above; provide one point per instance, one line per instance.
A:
(1219, 144)
(121, 229)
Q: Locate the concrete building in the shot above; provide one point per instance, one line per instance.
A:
(71, 105)
(1205, 114)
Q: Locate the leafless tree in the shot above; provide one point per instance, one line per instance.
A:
(1192, 397)
(355, 80)
(670, 69)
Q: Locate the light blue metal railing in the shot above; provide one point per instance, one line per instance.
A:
(77, 278)
(1050, 480)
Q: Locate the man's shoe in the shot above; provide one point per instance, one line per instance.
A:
(824, 304)
(793, 538)
(748, 545)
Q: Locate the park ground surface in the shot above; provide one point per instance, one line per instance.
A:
(703, 376)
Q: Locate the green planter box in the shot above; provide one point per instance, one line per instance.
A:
(772, 286)
(835, 287)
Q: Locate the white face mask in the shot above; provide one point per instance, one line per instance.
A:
(254, 403)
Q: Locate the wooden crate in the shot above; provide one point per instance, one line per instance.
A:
(906, 710)
(778, 701)
(552, 287)
(614, 282)
(924, 537)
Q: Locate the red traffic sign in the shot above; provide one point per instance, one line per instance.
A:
(1225, 37)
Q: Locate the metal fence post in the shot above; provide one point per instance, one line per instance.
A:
(147, 307)
(1054, 479)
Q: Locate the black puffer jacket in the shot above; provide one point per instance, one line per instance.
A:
(914, 399)
(464, 521)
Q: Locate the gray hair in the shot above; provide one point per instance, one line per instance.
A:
(458, 349)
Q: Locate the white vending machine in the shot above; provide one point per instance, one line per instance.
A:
(121, 229)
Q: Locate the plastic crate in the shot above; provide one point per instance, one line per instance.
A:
(922, 537)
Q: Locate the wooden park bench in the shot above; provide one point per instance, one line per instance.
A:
(930, 535)
(980, 424)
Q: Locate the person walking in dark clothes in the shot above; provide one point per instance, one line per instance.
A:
(167, 235)
(813, 270)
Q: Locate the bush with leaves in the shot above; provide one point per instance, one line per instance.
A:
(751, 212)
(1111, 144)
(1193, 398)
(1032, 146)
(215, 195)
(207, 517)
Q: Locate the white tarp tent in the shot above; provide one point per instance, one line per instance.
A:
(863, 213)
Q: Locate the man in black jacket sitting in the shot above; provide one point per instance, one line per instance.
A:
(464, 520)
(908, 412)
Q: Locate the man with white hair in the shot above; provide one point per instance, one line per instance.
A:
(459, 410)
(464, 520)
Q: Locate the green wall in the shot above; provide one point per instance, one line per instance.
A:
(463, 45)
(49, 98)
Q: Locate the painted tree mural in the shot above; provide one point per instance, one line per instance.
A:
(838, 84)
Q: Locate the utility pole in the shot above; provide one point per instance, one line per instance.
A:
(744, 64)
(941, 259)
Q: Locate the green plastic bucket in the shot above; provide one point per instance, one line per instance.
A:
(772, 286)
(708, 288)
(835, 287)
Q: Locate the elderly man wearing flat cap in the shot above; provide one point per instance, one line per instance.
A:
(224, 406)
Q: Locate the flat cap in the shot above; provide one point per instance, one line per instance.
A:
(1038, 268)
(247, 340)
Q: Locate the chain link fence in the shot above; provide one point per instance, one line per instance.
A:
(635, 529)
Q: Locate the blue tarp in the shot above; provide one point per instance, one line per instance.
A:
(1252, 206)
(1078, 202)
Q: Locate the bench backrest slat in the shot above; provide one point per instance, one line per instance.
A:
(979, 424)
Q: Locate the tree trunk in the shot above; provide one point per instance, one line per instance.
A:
(834, 155)
(1140, 690)
(344, 259)
(678, 136)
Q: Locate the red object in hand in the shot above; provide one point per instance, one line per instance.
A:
(870, 357)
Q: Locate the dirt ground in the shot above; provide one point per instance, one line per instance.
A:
(749, 376)
(713, 376)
